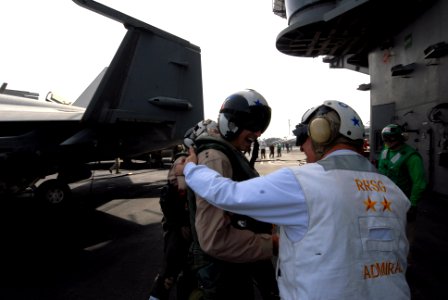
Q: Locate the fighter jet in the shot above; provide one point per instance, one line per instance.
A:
(145, 100)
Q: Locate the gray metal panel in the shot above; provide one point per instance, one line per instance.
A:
(381, 115)
(417, 93)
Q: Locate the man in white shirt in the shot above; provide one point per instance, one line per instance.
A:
(342, 224)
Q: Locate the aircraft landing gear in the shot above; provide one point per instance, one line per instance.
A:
(53, 192)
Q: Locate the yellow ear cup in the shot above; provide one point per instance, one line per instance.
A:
(320, 130)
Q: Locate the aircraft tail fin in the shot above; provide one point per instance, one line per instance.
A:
(154, 78)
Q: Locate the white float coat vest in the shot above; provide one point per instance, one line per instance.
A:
(356, 246)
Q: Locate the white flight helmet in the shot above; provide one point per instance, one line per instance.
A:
(205, 127)
(319, 124)
(245, 109)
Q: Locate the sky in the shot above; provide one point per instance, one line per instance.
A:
(58, 46)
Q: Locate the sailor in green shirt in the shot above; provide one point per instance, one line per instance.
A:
(403, 165)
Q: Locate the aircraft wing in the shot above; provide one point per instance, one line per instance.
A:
(18, 109)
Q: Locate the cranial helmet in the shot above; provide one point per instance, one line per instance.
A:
(205, 127)
(245, 109)
(392, 132)
(326, 122)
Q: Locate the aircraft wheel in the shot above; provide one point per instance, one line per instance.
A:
(53, 192)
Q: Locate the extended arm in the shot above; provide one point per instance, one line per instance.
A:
(275, 198)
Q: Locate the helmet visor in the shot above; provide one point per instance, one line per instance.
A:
(391, 133)
(301, 132)
(257, 120)
(390, 138)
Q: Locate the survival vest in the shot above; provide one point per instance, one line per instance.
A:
(393, 167)
(241, 171)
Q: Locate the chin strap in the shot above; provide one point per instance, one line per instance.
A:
(254, 154)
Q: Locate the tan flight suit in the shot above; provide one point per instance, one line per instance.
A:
(216, 235)
(240, 256)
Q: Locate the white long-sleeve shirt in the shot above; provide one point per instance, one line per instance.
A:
(279, 198)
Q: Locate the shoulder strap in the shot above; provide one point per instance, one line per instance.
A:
(242, 169)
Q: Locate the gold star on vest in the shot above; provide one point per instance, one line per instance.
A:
(370, 205)
(386, 204)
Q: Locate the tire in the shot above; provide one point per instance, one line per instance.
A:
(54, 192)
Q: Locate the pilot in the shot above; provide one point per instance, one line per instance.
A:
(232, 251)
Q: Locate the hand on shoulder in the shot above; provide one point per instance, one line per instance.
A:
(179, 168)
